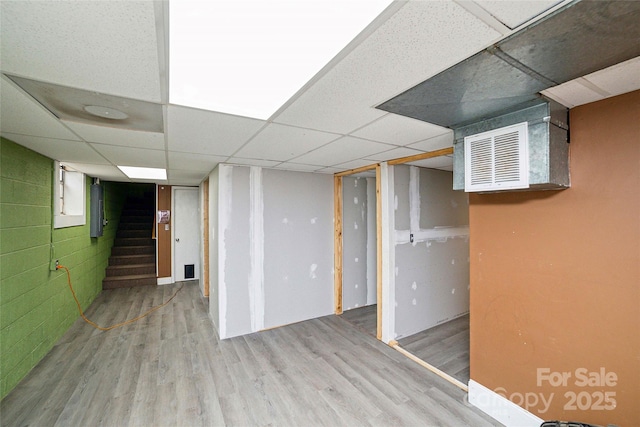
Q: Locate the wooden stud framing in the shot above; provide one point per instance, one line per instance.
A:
(337, 241)
(337, 203)
(423, 156)
(357, 170)
(394, 344)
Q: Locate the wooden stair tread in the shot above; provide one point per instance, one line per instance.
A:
(133, 246)
(125, 266)
(131, 277)
(133, 259)
(131, 256)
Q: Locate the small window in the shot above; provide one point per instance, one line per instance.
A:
(69, 196)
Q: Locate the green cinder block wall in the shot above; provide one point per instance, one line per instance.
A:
(36, 306)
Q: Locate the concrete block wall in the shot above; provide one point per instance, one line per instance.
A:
(36, 306)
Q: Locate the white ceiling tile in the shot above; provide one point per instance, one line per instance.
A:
(21, 114)
(185, 177)
(252, 162)
(279, 142)
(298, 167)
(401, 53)
(354, 164)
(58, 149)
(434, 162)
(343, 150)
(115, 136)
(572, 93)
(127, 156)
(105, 46)
(196, 162)
(515, 13)
(105, 172)
(330, 170)
(207, 132)
(396, 153)
(615, 80)
(399, 130)
(436, 143)
(618, 79)
(68, 103)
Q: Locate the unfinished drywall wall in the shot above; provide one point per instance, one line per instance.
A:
(354, 242)
(272, 248)
(439, 205)
(214, 290)
(401, 197)
(372, 246)
(234, 248)
(432, 284)
(431, 249)
(298, 246)
(554, 279)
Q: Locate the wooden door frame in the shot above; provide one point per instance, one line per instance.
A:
(337, 235)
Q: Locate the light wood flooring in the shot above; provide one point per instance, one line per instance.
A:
(445, 346)
(364, 318)
(171, 369)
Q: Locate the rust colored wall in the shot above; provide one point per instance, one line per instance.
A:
(164, 236)
(555, 280)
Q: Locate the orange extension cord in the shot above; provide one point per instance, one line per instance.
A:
(108, 328)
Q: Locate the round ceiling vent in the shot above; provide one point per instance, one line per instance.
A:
(105, 112)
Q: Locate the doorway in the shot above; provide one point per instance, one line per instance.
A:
(411, 235)
(431, 263)
(186, 233)
(359, 249)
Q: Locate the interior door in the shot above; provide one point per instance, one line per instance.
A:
(186, 233)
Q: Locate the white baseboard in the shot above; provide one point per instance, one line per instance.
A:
(500, 408)
(165, 280)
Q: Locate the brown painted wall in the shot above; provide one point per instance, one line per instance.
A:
(555, 277)
(164, 236)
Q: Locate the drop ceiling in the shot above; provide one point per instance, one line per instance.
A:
(565, 45)
(89, 52)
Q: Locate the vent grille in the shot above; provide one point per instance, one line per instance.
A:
(497, 160)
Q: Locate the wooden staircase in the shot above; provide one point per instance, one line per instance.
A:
(133, 255)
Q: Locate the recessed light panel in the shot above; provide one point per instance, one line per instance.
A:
(144, 173)
(248, 57)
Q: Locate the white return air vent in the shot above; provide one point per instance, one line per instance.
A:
(538, 161)
(497, 159)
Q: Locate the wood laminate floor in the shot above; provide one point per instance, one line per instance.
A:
(364, 318)
(445, 346)
(171, 369)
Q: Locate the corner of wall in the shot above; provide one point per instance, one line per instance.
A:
(500, 408)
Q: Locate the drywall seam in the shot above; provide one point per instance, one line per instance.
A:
(438, 233)
(414, 199)
(225, 198)
(388, 252)
(256, 275)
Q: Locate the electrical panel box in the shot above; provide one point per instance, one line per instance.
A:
(96, 213)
